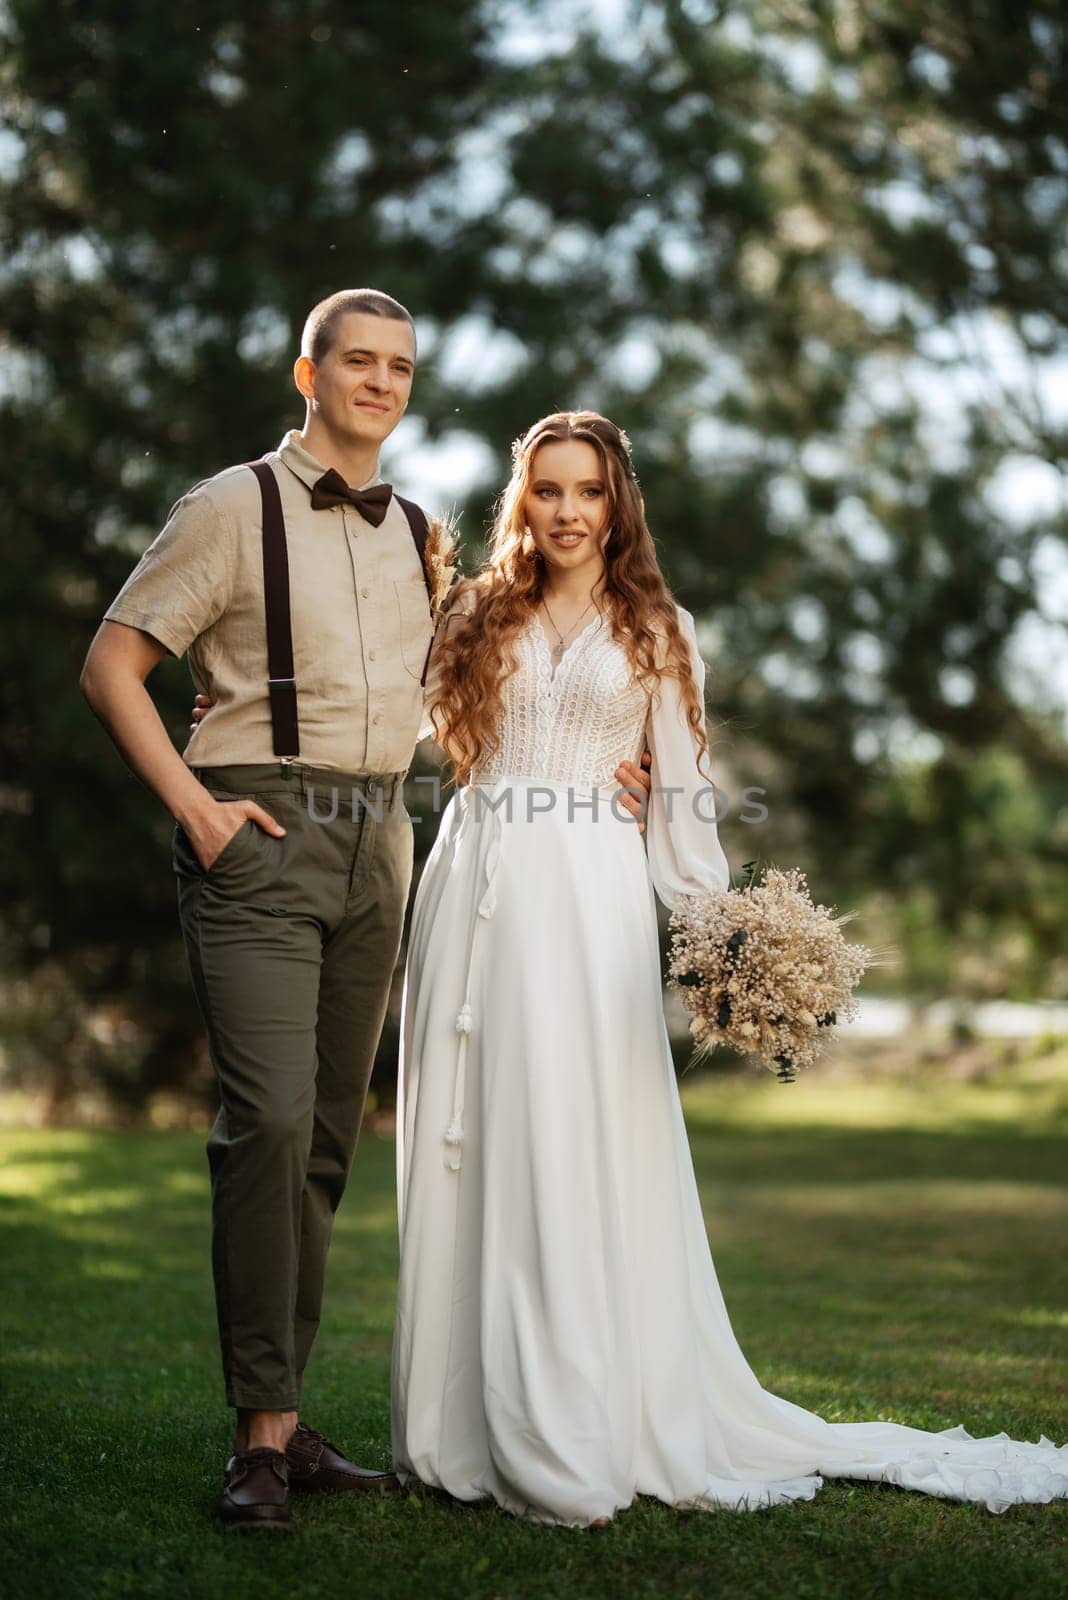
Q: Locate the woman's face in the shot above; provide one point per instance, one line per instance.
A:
(566, 506)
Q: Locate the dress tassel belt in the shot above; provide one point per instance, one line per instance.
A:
(465, 1019)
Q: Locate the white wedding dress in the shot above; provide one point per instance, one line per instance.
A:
(561, 1341)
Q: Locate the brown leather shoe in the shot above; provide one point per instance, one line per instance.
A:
(256, 1491)
(319, 1467)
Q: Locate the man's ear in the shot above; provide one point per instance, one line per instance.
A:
(304, 376)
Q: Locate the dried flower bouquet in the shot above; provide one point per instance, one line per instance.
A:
(764, 971)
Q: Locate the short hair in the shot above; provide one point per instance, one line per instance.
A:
(322, 320)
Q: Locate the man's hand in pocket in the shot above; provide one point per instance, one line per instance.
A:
(219, 820)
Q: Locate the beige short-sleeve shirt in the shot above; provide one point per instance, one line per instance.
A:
(360, 613)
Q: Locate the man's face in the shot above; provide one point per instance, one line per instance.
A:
(360, 388)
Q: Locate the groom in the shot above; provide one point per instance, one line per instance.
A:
(297, 586)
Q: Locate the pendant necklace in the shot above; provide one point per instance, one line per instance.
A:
(556, 655)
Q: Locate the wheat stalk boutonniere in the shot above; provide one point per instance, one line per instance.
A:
(440, 557)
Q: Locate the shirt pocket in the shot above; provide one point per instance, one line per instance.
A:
(413, 618)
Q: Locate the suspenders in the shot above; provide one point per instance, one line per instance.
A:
(281, 682)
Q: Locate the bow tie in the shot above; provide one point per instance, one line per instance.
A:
(332, 490)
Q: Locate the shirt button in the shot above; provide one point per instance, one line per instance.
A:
(370, 655)
(377, 717)
(365, 591)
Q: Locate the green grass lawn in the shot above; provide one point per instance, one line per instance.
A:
(887, 1250)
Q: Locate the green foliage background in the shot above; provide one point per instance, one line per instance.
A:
(774, 240)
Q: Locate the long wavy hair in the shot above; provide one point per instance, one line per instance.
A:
(476, 652)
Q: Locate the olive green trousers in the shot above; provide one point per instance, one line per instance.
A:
(291, 944)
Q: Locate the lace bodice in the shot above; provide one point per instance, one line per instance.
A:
(577, 726)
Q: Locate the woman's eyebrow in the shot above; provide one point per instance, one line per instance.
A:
(551, 483)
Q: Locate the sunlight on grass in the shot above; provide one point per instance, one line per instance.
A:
(1042, 1317)
(1032, 1098)
(97, 1202)
(917, 1198)
(887, 1250)
(190, 1185)
(39, 1180)
(60, 1142)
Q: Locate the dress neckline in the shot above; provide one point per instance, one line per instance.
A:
(544, 646)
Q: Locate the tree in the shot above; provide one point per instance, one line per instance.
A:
(783, 240)
(181, 185)
(810, 253)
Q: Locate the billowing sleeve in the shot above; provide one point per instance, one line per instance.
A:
(461, 604)
(684, 852)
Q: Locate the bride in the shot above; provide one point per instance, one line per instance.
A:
(561, 1341)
